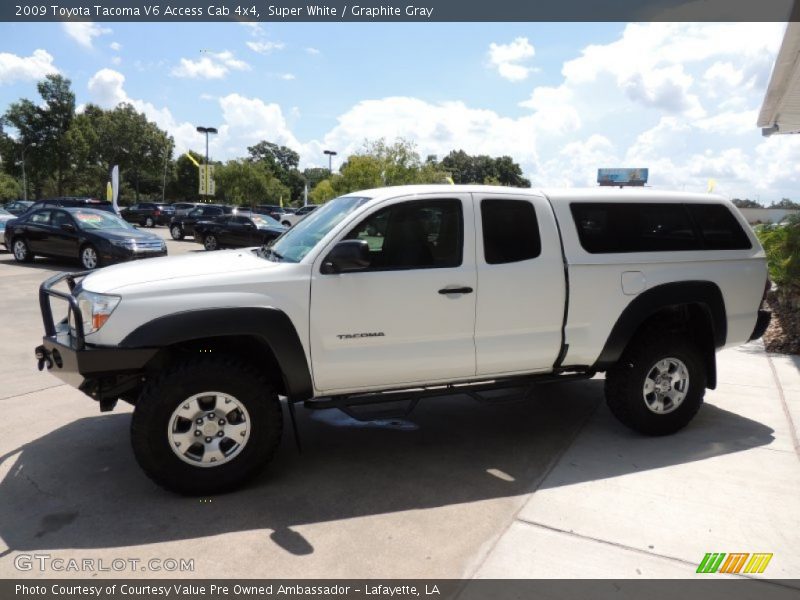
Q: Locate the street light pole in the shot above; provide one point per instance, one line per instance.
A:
(24, 177)
(330, 154)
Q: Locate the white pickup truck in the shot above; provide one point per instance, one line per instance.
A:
(405, 292)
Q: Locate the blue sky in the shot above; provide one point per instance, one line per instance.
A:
(561, 99)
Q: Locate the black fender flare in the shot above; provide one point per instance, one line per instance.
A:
(271, 325)
(704, 294)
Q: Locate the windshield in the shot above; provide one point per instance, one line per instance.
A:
(293, 245)
(90, 219)
(4, 212)
(264, 221)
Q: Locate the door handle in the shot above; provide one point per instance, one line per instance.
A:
(456, 290)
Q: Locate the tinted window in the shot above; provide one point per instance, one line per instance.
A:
(633, 227)
(414, 235)
(510, 231)
(60, 218)
(718, 227)
(211, 211)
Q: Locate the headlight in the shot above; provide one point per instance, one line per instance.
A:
(96, 309)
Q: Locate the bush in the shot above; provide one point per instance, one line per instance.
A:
(782, 244)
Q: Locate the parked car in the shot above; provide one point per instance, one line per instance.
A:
(5, 217)
(94, 237)
(181, 226)
(289, 219)
(237, 231)
(271, 210)
(183, 208)
(148, 214)
(473, 285)
(17, 207)
(73, 202)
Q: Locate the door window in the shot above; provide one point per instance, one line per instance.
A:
(414, 235)
(41, 218)
(60, 218)
(510, 231)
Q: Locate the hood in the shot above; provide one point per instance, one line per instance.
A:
(123, 234)
(200, 264)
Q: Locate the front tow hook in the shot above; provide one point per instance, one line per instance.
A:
(43, 358)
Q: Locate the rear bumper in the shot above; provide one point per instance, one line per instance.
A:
(762, 322)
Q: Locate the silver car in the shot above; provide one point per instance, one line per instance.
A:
(5, 216)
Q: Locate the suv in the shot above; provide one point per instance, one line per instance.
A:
(183, 208)
(148, 214)
(398, 293)
(183, 225)
(72, 202)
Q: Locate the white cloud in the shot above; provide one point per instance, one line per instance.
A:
(115, 46)
(508, 59)
(288, 76)
(265, 47)
(212, 65)
(25, 68)
(116, 60)
(312, 51)
(84, 32)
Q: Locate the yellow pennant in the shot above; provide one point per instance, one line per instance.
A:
(712, 183)
(191, 158)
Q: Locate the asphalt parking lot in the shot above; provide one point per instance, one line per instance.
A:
(553, 487)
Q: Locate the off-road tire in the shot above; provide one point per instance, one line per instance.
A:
(625, 382)
(162, 395)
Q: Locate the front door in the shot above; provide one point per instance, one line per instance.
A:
(409, 317)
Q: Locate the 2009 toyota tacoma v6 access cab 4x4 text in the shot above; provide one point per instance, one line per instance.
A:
(423, 288)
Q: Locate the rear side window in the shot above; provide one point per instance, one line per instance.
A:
(510, 231)
(616, 227)
(718, 227)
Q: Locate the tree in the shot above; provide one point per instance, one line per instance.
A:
(785, 203)
(322, 192)
(248, 183)
(745, 203)
(186, 182)
(482, 169)
(314, 175)
(281, 162)
(10, 189)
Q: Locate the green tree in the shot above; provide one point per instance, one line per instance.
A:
(784, 203)
(465, 168)
(322, 192)
(185, 183)
(745, 203)
(10, 189)
(248, 183)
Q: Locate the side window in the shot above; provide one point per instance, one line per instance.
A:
(197, 212)
(41, 218)
(59, 218)
(718, 227)
(608, 228)
(211, 211)
(510, 231)
(414, 235)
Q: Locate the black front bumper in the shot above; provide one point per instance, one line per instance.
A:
(762, 322)
(99, 371)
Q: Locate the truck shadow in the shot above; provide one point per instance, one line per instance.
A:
(79, 486)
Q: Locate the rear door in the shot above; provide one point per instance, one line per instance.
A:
(409, 317)
(37, 230)
(520, 306)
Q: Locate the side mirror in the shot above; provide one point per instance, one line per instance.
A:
(347, 256)
(68, 227)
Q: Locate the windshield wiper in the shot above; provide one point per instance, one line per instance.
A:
(268, 252)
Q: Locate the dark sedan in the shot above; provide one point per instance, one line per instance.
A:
(148, 214)
(237, 231)
(182, 225)
(94, 237)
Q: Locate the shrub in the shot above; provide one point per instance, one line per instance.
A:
(782, 245)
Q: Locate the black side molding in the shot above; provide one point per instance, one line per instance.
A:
(271, 325)
(703, 294)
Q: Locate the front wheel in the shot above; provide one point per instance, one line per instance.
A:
(210, 242)
(176, 232)
(286, 224)
(89, 258)
(22, 253)
(658, 385)
(206, 426)
(149, 222)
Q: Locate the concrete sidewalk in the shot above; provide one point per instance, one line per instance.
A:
(623, 506)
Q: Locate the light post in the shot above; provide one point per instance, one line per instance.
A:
(24, 177)
(207, 130)
(330, 154)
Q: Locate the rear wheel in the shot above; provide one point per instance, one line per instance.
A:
(176, 232)
(658, 385)
(22, 253)
(206, 426)
(286, 224)
(149, 222)
(210, 242)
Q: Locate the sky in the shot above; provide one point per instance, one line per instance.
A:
(562, 99)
